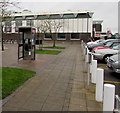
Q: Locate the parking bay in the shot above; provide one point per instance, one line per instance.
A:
(110, 77)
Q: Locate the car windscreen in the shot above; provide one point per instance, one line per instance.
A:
(103, 41)
(115, 44)
(116, 47)
(108, 44)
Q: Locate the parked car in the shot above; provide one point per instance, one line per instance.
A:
(102, 54)
(113, 63)
(108, 45)
(95, 42)
(92, 46)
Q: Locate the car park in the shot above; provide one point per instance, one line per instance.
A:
(102, 54)
(92, 46)
(113, 63)
(109, 44)
(95, 42)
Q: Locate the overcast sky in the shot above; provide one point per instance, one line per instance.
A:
(105, 10)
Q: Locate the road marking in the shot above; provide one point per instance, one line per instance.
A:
(113, 82)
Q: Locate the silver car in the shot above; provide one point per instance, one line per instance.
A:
(113, 63)
(102, 54)
(96, 42)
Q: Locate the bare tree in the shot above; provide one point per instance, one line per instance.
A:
(42, 27)
(5, 14)
(50, 26)
(53, 28)
(57, 25)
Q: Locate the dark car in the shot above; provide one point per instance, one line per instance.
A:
(107, 43)
(113, 63)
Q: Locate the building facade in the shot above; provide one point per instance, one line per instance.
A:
(97, 29)
(74, 25)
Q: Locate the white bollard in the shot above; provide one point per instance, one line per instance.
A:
(94, 71)
(99, 85)
(109, 97)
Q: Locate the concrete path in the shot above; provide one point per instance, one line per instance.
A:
(59, 84)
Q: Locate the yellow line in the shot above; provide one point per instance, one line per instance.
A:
(113, 82)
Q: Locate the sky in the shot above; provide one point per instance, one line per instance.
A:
(103, 10)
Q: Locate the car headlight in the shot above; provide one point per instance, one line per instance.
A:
(116, 62)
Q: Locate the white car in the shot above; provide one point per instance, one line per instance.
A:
(102, 54)
(113, 63)
(96, 42)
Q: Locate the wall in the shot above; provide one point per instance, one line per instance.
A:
(14, 36)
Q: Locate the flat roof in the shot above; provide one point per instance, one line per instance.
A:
(50, 13)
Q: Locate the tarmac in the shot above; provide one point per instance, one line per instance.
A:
(60, 83)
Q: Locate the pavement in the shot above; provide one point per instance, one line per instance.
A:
(60, 83)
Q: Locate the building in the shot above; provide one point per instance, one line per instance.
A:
(74, 25)
(119, 17)
(97, 29)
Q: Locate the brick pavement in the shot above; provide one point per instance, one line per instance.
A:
(59, 84)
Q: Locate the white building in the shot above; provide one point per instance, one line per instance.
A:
(75, 25)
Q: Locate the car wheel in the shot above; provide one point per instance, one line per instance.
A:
(105, 58)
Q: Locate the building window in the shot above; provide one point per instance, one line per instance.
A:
(18, 23)
(68, 16)
(16, 29)
(7, 29)
(30, 23)
(75, 36)
(7, 24)
(48, 36)
(18, 17)
(29, 17)
(61, 36)
(83, 15)
(42, 17)
(55, 16)
(97, 27)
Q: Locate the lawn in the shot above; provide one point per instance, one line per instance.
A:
(54, 52)
(56, 47)
(12, 78)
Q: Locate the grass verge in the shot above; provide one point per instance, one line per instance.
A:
(56, 47)
(12, 78)
(54, 52)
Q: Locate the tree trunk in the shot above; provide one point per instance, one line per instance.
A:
(54, 40)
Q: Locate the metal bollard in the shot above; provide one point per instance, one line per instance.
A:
(109, 97)
(99, 85)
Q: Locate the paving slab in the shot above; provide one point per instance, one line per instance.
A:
(59, 84)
